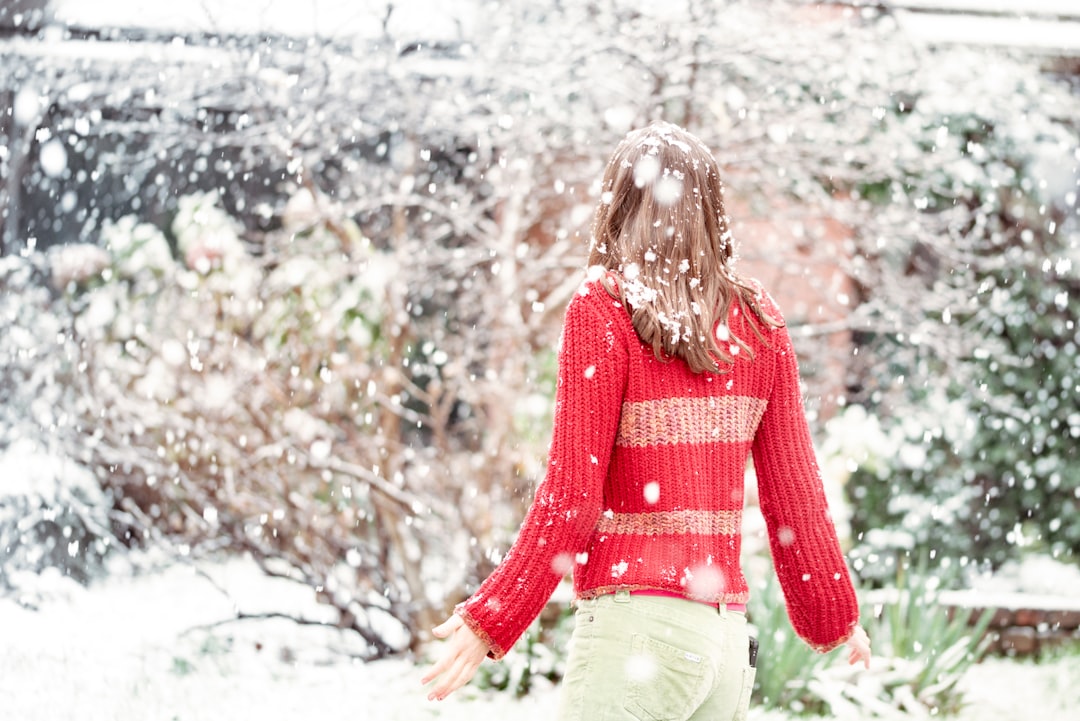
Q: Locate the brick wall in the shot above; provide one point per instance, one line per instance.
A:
(1023, 624)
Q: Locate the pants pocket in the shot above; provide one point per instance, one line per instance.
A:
(743, 708)
(664, 682)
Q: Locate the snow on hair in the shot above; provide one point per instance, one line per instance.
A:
(661, 228)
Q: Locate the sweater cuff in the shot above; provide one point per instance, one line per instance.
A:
(825, 648)
(495, 651)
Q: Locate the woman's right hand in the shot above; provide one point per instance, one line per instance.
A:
(858, 647)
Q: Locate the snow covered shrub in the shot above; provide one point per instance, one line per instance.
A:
(206, 237)
(226, 398)
(893, 519)
(321, 404)
(976, 381)
(539, 654)
(925, 646)
(53, 515)
(785, 664)
(921, 651)
(136, 248)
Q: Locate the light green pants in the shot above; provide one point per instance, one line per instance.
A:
(650, 658)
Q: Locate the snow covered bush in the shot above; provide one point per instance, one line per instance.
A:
(136, 248)
(207, 238)
(53, 514)
(921, 651)
(219, 390)
(893, 520)
(785, 664)
(540, 654)
(977, 383)
(312, 400)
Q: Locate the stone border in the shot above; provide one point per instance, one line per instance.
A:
(1023, 624)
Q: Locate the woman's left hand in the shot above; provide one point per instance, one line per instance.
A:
(460, 661)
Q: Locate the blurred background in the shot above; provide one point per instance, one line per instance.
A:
(281, 283)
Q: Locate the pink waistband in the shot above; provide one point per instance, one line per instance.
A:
(737, 607)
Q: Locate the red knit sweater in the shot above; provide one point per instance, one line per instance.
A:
(644, 487)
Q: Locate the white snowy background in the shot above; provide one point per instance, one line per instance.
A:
(155, 633)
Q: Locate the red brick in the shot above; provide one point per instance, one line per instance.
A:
(1003, 617)
(1065, 620)
(1029, 617)
(1019, 641)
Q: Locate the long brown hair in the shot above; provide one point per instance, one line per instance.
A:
(661, 228)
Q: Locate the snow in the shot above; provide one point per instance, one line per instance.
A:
(1036, 582)
(26, 106)
(1061, 8)
(53, 158)
(334, 18)
(29, 470)
(144, 645)
(157, 644)
(1043, 35)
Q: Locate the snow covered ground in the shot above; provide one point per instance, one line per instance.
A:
(149, 645)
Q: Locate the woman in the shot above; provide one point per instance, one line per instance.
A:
(673, 369)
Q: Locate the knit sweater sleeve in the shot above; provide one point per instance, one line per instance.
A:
(592, 367)
(821, 601)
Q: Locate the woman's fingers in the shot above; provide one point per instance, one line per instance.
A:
(443, 630)
(458, 673)
(859, 646)
(456, 677)
(444, 687)
(447, 627)
(440, 666)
